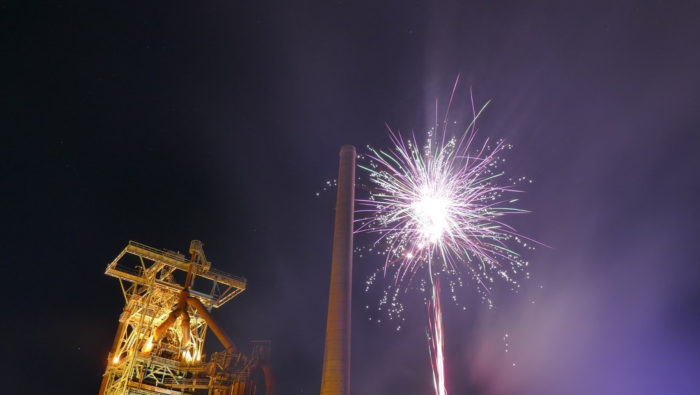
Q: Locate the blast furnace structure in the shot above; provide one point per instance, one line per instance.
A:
(158, 347)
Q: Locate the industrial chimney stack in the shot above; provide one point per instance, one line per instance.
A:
(336, 357)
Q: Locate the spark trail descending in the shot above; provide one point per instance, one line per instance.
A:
(438, 211)
(437, 360)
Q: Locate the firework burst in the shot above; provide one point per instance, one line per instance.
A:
(439, 208)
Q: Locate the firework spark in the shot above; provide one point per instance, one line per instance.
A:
(437, 360)
(438, 209)
(441, 207)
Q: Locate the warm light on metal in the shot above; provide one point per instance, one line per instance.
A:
(158, 347)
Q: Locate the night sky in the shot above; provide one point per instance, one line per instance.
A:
(220, 121)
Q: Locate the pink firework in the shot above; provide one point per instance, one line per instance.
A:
(439, 209)
(437, 360)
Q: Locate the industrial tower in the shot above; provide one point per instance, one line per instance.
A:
(158, 347)
(335, 379)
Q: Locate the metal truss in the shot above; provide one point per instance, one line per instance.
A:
(152, 356)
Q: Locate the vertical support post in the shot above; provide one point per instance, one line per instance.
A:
(115, 346)
(336, 357)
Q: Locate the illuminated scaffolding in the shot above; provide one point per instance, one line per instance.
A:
(158, 347)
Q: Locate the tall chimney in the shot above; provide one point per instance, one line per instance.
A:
(336, 357)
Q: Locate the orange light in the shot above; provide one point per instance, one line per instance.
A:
(188, 356)
(149, 345)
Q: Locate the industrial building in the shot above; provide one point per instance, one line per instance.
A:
(159, 344)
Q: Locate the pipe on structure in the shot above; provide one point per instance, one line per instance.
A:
(185, 327)
(180, 310)
(220, 334)
(163, 327)
(270, 384)
(336, 357)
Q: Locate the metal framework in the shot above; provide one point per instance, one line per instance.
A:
(158, 347)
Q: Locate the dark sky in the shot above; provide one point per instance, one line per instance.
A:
(219, 121)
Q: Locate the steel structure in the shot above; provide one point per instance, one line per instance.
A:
(158, 347)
